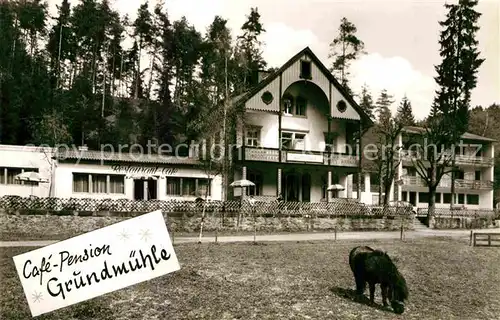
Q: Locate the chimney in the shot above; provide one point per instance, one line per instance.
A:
(83, 148)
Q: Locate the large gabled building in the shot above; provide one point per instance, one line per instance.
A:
(299, 134)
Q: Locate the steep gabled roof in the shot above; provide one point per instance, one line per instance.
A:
(244, 97)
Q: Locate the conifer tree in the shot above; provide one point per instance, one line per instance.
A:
(405, 113)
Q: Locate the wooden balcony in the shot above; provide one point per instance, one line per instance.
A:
(460, 160)
(460, 184)
(473, 184)
(298, 156)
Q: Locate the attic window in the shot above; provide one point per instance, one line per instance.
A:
(305, 69)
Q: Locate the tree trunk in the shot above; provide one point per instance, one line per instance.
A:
(138, 75)
(432, 201)
(380, 191)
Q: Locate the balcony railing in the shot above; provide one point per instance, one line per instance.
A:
(298, 156)
(417, 181)
(407, 156)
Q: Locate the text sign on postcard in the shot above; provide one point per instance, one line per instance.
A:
(96, 263)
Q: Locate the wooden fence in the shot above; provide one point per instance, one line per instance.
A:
(335, 208)
(461, 212)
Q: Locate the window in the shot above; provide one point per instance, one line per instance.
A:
(459, 174)
(305, 69)
(288, 104)
(423, 197)
(438, 197)
(8, 174)
(11, 173)
(81, 182)
(203, 187)
(404, 196)
(473, 199)
(300, 108)
(98, 183)
(188, 186)
(299, 141)
(177, 186)
(478, 151)
(461, 198)
(286, 140)
(293, 140)
(446, 197)
(116, 184)
(255, 177)
(410, 171)
(253, 137)
(173, 186)
(477, 175)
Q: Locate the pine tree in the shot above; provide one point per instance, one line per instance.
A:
(366, 102)
(456, 78)
(249, 50)
(383, 105)
(344, 49)
(404, 114)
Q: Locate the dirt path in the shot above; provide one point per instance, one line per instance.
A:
(291, 237)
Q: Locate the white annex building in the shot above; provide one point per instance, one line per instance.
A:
(83, 173)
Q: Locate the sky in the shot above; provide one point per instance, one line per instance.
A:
(400, 36)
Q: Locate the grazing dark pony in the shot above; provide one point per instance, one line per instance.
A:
(375, 266)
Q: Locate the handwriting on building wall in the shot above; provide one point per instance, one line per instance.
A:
(144, 170)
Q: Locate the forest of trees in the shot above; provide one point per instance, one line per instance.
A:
(69, 79)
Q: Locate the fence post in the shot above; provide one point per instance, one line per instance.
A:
(254, 226)
(401, 235)
(173, 237)
(470, 240)
(335, 232)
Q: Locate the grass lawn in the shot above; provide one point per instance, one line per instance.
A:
(307, 280)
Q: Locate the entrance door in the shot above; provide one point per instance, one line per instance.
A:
(413, 198)
(306, 187)
(290, 183)
(152, 189)
(138, 189)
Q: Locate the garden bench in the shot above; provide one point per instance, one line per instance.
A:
(492, 239)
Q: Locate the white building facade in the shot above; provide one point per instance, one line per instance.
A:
(105, 175)
(473, 183)
(299, 134)
(17, 159)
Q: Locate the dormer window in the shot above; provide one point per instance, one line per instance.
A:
(288, 104)
(305, 69)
